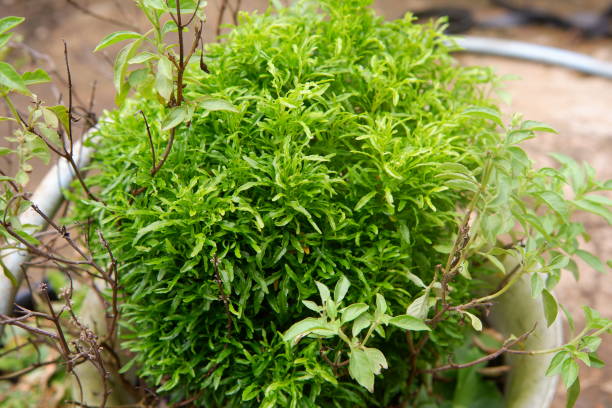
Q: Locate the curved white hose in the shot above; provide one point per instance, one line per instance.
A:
(48, 197)
(536, 53)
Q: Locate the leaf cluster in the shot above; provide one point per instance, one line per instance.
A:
(321, 146)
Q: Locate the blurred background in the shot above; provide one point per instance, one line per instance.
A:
(577, 105)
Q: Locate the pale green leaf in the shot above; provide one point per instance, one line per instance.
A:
(404, 233)
(342, 287)
(364, 320)
(353, 311)
(592, 260)
(360, 369)
(11, 79)
(10, 22)
(364, 200)
(598, 199)
(485, 113)
(389, 198)
(305, 327)
(381, 305)
(569, 372)
(5, 38)
(116, 37)
(570, 320)
(415, 279)
(556, 364)
(312, 306)
(460, 184)
(550, 307)
(407, 322)
(496, 262)
(37, 76)
(419, 307)
(323, 292)
(120, 69)
(164, 83)
(555, 201)
(591, 204)
(476, 323)
(533, 126)
(142, 58)
(61, 112)
(176, 116)
(537, 284)
(590, 343)
(377, 360)
(251, 392)
(573, 393)
(9, 275)
(213, 104)
(332, 309)
(155, 226)
(156, 4)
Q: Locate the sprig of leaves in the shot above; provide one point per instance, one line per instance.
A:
(364, 362)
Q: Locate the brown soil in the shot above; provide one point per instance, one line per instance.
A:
(577, 106)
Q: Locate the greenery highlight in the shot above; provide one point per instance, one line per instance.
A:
(318, 146)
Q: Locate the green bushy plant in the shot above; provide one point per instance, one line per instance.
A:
(321, 147)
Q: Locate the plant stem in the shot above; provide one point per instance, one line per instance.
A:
(575, 341)
(370, 331)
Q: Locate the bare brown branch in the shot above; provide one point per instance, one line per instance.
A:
(505, 348)
(100, 17)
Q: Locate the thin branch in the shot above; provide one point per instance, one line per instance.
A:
(51, 67)
(196, 41)
(505, 348)
(323, 354)
(193, 16)
(100, 17)
(236, 11)
(112, 280)
(229, 325)
(222, 9)
(27, 370)
(69, 130)
(179, 81)
(187, 402)
(453, 265)
(11, 182)
(34, 250)
(150, 138)
(61, 337)
(89, 114)
(164, 157)
(181, 65)
(63, 232)
(67, 156)
(17, 322)
(29, 342)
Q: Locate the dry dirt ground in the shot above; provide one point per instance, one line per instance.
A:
(578, 106)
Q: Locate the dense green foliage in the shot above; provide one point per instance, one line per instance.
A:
(354, 147)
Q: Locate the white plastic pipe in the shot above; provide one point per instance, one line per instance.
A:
(517, 312)
(48, 197)
(536, 53)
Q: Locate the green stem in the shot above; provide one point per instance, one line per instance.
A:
(503, 290)
(471, 206)
(345, 338)
(370, 331)
(575, 341)
(12, 108)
